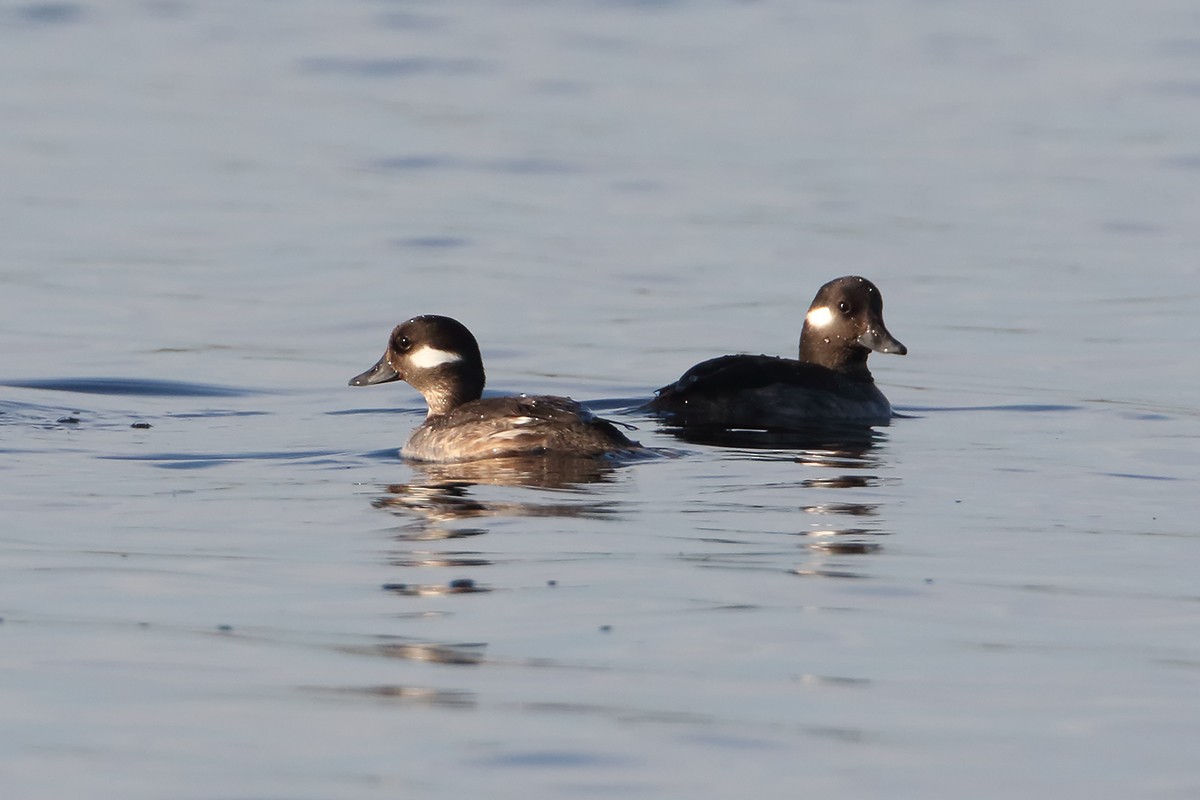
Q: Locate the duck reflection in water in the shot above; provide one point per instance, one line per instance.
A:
(845, 441)
(445, 493)
(844, 448)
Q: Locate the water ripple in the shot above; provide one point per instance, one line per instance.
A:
(392, 67)
(141, 387)
(505, 165)
(204, 460)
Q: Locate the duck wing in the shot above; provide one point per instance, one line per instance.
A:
(744, 372)
(768, 393)
(520, 424)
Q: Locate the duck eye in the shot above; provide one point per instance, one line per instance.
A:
(845, 307)
(402, 344)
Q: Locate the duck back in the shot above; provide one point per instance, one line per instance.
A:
(517, 425)
(769, 393)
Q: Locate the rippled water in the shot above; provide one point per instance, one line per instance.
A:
(218, 580)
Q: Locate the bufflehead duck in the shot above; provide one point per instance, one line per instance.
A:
(829, 384)
(440, 358)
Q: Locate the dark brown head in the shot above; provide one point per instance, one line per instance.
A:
(435, 355)
(844, 324)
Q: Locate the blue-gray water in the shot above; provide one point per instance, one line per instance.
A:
(211, 214)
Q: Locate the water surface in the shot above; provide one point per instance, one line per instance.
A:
(218, 580)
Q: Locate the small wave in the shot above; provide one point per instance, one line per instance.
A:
(203, 460)
(131, 387)
(903, 412)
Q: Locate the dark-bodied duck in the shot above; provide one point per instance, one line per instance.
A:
(828, 385)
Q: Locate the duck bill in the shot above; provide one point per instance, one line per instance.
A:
(878, 339)
(382, 372)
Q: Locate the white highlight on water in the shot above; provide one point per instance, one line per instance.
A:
(820, 317)
(429, 357)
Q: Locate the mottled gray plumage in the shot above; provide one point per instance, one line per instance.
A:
(440, 358)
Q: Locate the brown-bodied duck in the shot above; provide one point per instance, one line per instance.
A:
(440, 358)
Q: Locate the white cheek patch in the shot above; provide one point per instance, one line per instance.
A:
(430, 357)
(820, 317)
